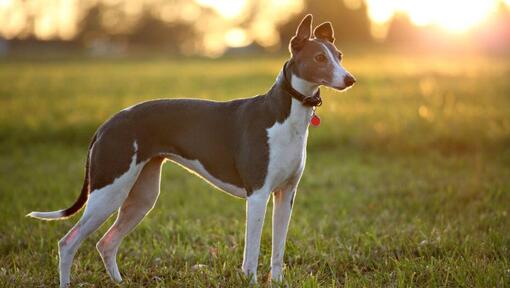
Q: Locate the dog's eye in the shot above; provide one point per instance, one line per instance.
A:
(320, 58)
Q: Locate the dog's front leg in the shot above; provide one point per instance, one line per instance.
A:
(282, 207)
(255, 212)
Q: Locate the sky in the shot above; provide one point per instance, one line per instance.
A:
(59, 18)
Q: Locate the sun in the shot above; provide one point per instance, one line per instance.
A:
(451, 15)
(454, 16)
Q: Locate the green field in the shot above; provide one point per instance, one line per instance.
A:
(407, 182)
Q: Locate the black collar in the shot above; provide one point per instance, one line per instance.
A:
(311, 101)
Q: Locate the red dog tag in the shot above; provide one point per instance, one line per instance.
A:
(316, 121)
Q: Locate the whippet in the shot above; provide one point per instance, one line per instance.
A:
(248, 148)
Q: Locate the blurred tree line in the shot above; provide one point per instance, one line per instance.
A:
(111, 27)
(351, 24)
(180, 26)
(350, 21)
(187, 27)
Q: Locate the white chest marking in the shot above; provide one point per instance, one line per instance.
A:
(287, 147)
(195, 167)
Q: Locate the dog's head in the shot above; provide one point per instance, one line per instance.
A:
(315, 57)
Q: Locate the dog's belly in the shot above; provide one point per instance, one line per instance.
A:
(195, 167)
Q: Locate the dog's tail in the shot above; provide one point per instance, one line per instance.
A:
(84, 195)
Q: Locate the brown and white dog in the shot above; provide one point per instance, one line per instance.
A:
(250, 148)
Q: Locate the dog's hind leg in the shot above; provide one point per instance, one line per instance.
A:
(100, 205)
(140, 201)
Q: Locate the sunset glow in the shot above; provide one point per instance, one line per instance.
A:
(234, 23)
(452, 15)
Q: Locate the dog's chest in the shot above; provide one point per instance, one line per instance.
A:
(287, 146)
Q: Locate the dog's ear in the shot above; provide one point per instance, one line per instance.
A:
(303, 33)
(325, 31)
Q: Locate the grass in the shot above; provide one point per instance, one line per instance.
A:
(407, 182)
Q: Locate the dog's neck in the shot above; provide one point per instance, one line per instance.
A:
(307, 93)
(306, 88)
(287, 99)
(302, 86)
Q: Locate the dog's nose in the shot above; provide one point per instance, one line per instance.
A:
(349, 80)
